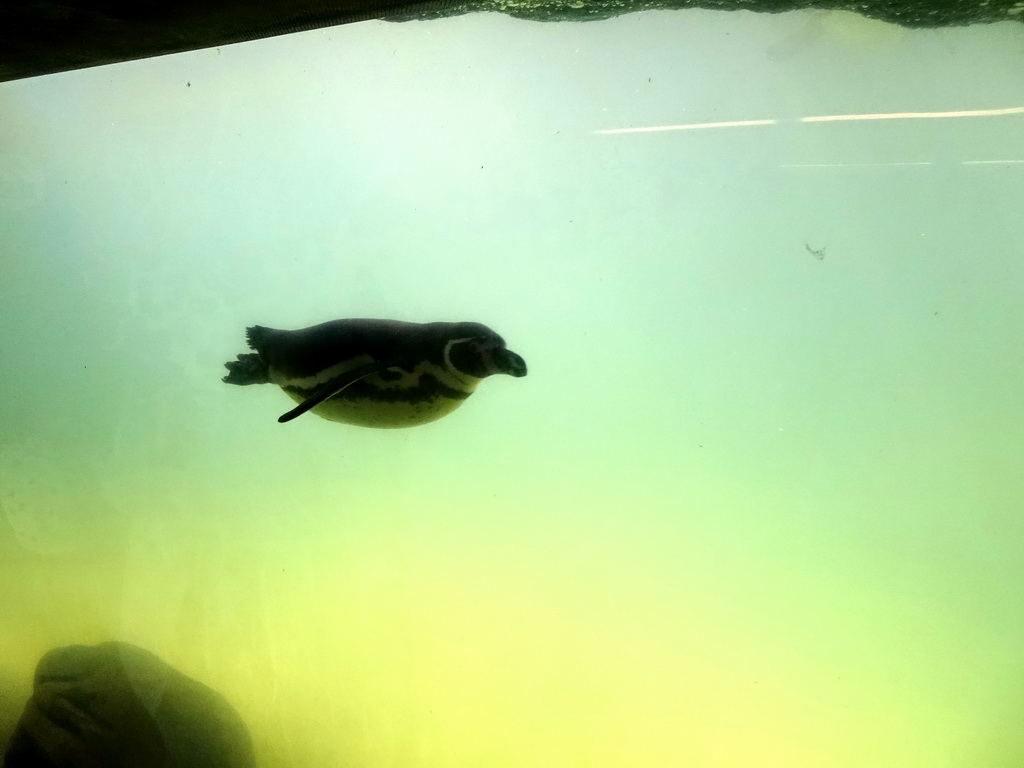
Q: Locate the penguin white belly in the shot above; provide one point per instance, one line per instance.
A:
(396, 398)
(367, 412)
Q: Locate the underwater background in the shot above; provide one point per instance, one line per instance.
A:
(759, 501)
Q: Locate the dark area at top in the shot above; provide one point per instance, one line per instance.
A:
(39, 37)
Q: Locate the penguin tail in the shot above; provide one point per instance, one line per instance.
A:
(247, 369)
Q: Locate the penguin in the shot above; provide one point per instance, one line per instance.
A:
(375, 373)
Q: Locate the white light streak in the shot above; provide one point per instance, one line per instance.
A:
(915, 115)
(848, 165)
(820, 119)
(992, 162)
(689, 127)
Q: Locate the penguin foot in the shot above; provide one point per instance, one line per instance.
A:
(247, 369)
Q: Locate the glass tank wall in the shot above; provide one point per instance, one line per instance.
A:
(758, 501)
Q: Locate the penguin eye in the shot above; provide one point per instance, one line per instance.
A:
(471, 356)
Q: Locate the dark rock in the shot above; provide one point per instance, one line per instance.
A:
(115, 705)
(907, 13)
(42, 36)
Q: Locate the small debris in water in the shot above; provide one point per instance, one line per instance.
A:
(818, 253)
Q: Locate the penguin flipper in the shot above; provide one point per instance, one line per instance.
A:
(331, 388)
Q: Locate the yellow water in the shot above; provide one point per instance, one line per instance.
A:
(750, 508)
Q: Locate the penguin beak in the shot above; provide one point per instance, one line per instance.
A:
(509, 362)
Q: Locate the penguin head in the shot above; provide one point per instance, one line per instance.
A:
(482, 353)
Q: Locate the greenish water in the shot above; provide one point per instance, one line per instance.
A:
(752, 506)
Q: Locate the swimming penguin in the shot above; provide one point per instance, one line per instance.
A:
(375, 373)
